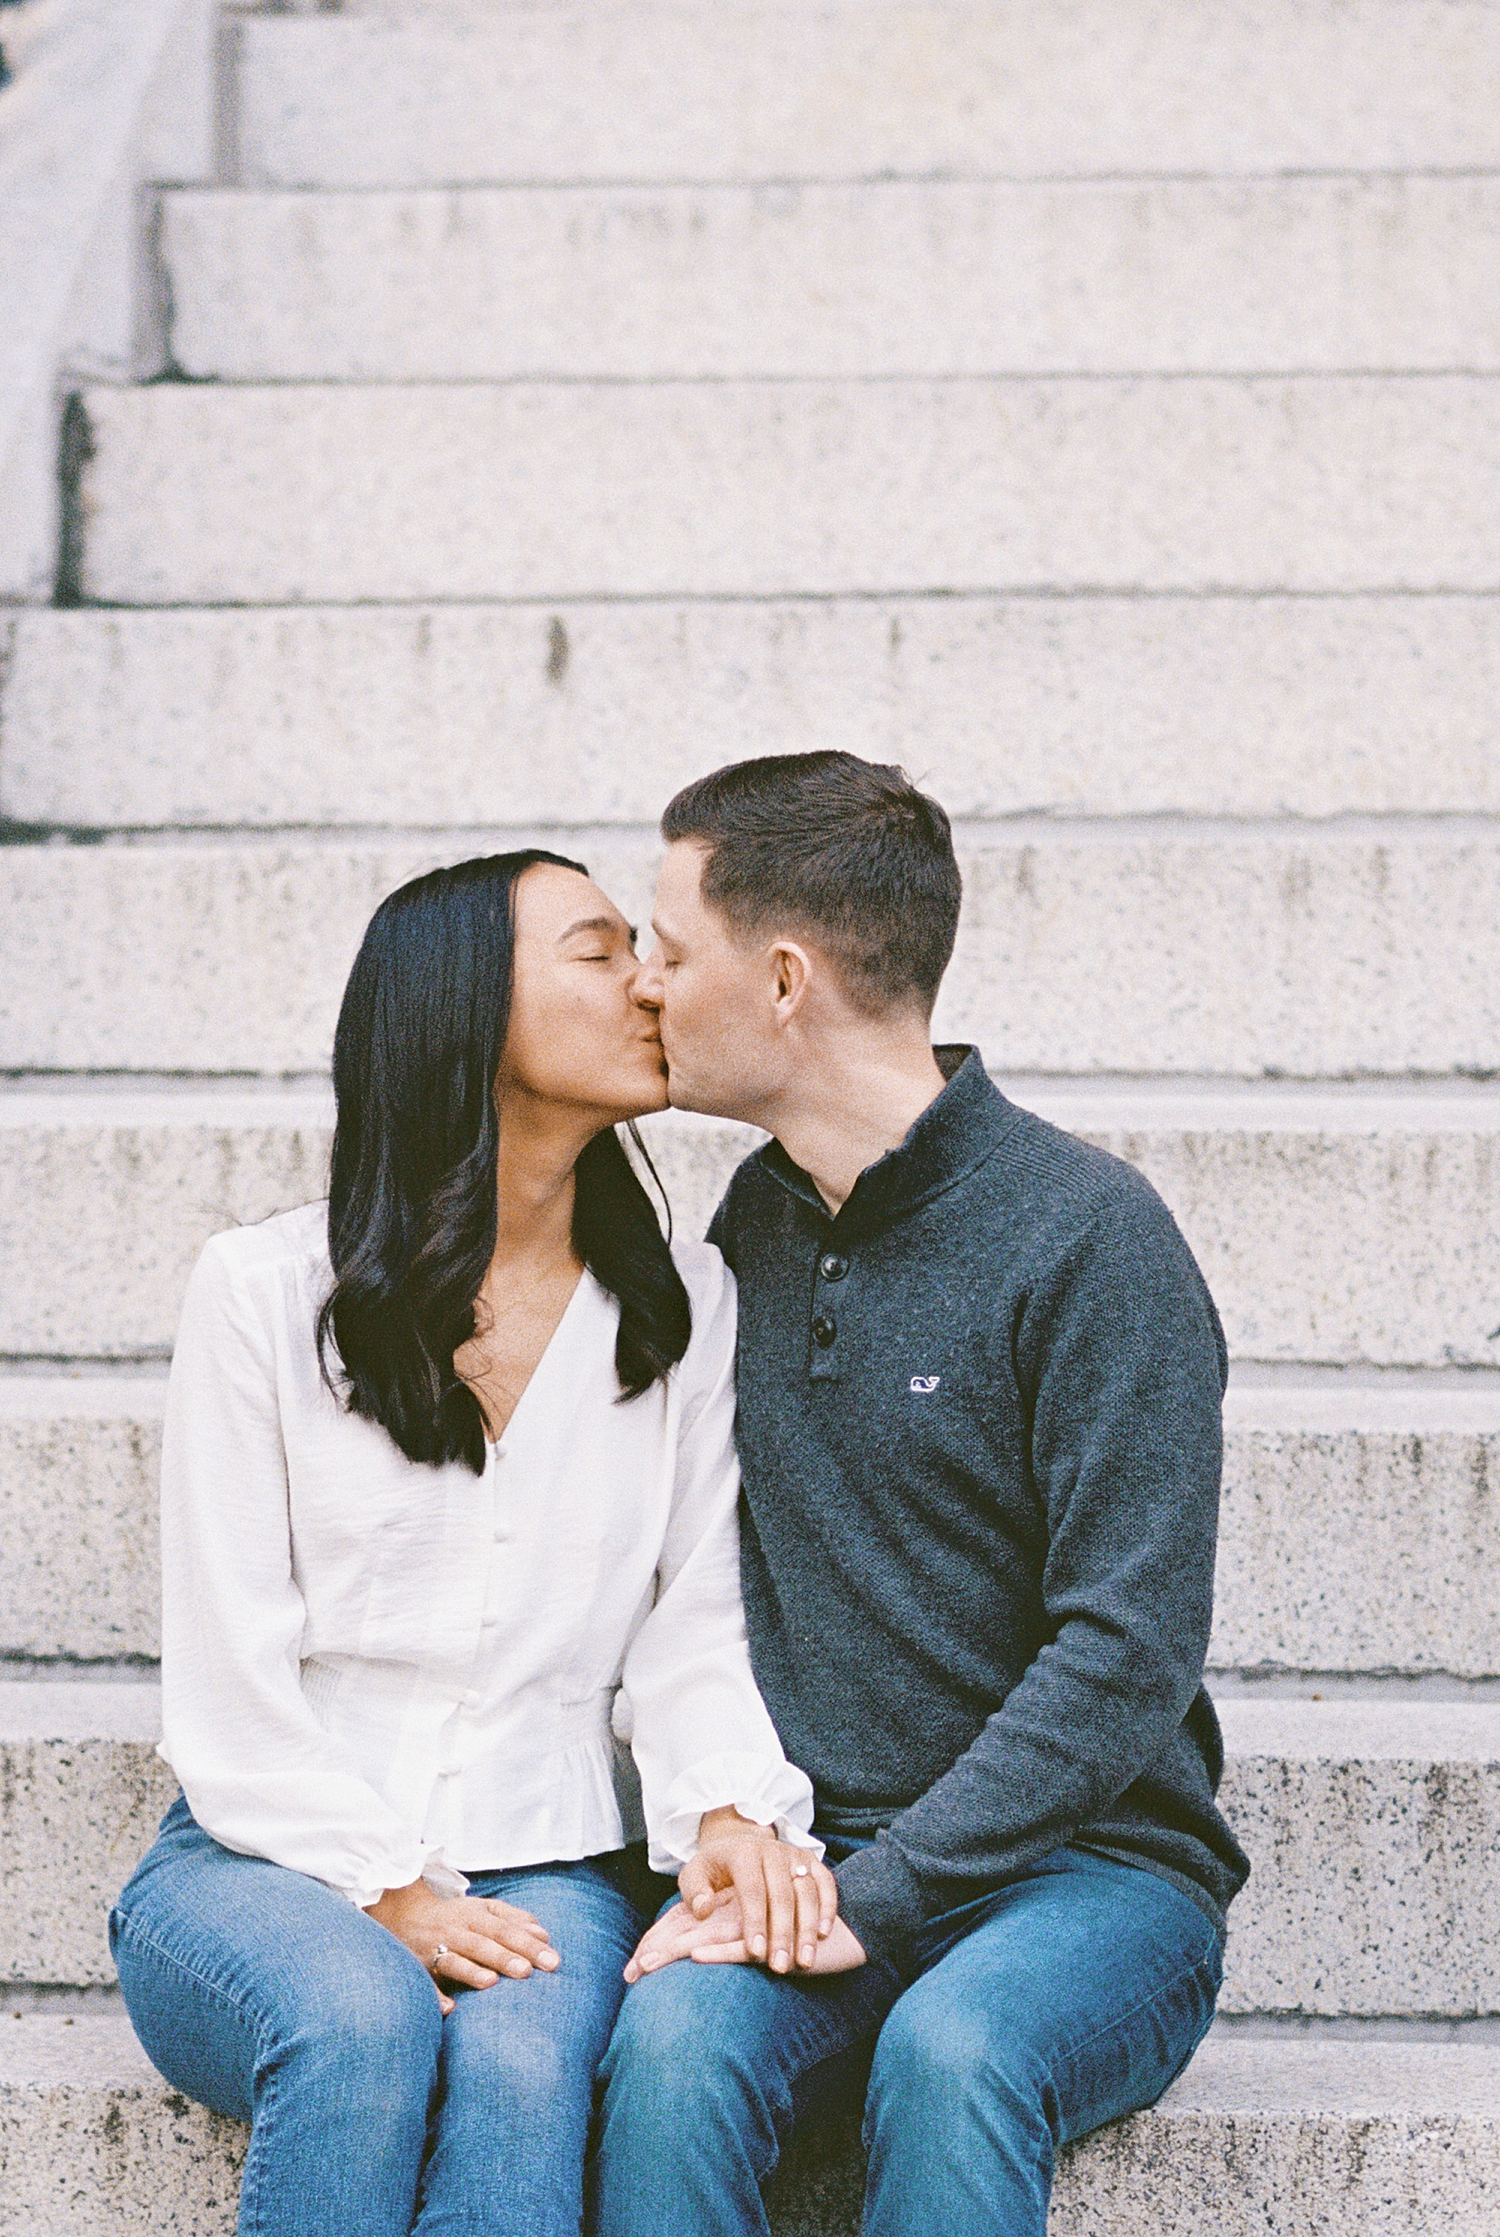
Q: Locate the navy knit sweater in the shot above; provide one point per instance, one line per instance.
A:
(979, 1423)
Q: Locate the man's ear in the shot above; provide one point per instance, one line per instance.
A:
(791, 972)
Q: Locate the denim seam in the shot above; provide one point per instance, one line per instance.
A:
(1165, 1989)
(145, 1940)
(248, 2217)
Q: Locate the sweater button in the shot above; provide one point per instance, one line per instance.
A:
(832, 1267)
(824, 1329)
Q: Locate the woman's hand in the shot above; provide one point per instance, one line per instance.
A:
(468, 1939)
(719, 1939)
(788, 1898)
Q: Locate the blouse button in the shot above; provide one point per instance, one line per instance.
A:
(825, 1328)
(833, 1267)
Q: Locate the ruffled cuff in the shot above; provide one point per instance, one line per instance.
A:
(768, 1790)
(440, 1877)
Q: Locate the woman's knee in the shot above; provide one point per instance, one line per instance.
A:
(378, 2017)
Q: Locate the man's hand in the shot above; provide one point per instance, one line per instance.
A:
(788, 1898)
(469, 1939)
(719, 1939)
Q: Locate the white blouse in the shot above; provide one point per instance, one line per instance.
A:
(374, 1670)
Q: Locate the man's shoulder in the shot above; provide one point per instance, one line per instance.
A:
(1062, 1183)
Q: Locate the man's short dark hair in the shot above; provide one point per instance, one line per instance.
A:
(846, 850)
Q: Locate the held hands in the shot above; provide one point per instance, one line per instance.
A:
(720, 1940)
(467, 1939)
(747, 1899)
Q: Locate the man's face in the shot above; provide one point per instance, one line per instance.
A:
(714, 995)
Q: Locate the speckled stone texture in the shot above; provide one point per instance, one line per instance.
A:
(849, 89)
(1305, 954)
(198, 493)
(890, 276)
(106, 1198)
(598, 712)
(1373, 1828)
(1354, 1526)
(79, 1567)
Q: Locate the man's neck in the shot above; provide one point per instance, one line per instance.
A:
(852, 1103)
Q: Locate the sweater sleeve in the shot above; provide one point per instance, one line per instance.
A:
(1120, 1363)
(700, 1732)
(259, 1772)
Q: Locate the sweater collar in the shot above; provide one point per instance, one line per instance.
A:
(957, 1132)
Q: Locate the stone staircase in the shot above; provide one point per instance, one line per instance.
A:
(1091, 403)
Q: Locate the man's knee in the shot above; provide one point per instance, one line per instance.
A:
(679, 2045)
(939, 2057)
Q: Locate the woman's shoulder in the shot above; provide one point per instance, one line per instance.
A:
(288, 1252)
(712, 1296)
(705, 1276)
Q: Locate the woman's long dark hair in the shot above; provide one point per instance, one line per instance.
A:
(413, 1197)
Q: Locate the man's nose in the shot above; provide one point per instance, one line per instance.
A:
(646, 985)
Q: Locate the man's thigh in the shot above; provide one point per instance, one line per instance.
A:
(1081, 1991)
(723, 2030)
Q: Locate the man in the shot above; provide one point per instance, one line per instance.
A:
(979, 1398)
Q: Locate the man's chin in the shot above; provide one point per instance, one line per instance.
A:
(682, 1097)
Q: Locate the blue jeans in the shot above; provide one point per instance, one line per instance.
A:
(1065, 1999)
(263, 1995)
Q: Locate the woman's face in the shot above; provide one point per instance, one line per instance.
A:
(577, 1038)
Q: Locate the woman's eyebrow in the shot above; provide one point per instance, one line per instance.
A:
(592, 924)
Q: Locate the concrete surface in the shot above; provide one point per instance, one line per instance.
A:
(1373, 1829)
(201, 494)
(1118, 949)
(106, 94)
(105, 1199)
(1359, 1531)
(81, 1791)
(931, 278)
(79, 1568)
(782, 89)
(598, 712)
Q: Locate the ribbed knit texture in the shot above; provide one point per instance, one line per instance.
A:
(981, 1472)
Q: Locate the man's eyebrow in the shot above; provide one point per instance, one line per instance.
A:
(592, 924)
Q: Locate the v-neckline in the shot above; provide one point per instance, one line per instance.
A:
(497, 1444)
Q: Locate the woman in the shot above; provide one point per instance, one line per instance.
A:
(448, 1494)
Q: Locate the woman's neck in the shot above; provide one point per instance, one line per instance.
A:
(534, 1222)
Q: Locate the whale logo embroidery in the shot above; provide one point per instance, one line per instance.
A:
(923, 1385)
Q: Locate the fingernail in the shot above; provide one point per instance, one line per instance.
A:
(780, 1963)
(758, 1945)
(550, 1959)
(808, 1952)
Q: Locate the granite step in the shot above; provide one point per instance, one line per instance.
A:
(107, 1196)
(775, 89)
(1373, 1827)
(204, 494)
(585, 712)
(1112, 947)
(1299, 275)
(1363, 2139)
